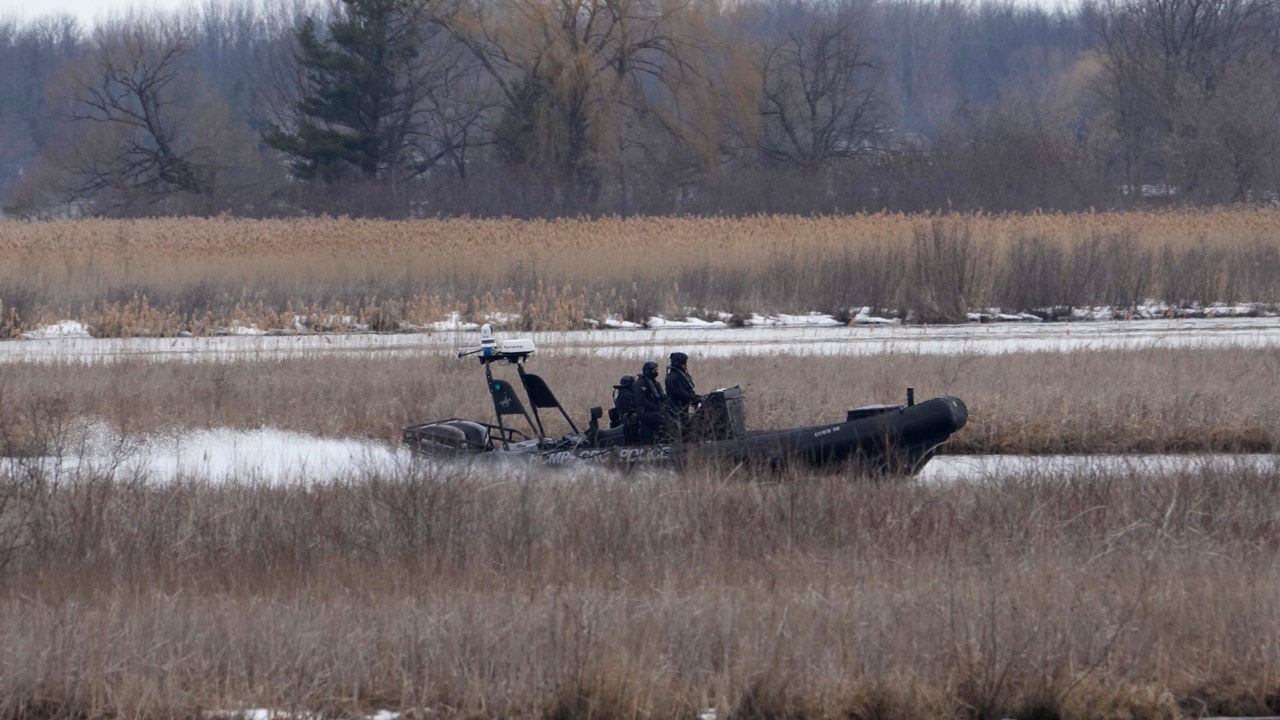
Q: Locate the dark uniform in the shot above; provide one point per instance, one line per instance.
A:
(651, 402)
(624, 401)
(680, 384)
(680, 394)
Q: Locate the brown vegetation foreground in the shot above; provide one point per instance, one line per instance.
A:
(1086, 402)
(159, 277)
(470, 593)
(453, 593)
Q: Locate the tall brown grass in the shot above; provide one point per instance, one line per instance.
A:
(456, 593)
(465, 592)
(468, 592)
(202, 276)
(1088, 402)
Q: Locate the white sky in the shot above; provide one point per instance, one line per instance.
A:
(86, 10)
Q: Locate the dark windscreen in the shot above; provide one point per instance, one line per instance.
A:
(505, 400)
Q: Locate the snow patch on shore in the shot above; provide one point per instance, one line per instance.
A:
(64, 329)
(696, 320)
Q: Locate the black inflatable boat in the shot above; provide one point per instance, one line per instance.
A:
(896, 439)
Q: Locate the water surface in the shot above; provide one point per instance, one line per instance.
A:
(280, 457)
(634, 344)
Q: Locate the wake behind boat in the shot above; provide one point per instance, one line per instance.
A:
(898, 439)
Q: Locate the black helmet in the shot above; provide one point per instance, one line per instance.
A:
(679, 359)
(649, 368)
(625, 382)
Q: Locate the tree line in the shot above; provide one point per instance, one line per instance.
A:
(543, 108)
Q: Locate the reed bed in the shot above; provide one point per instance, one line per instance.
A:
(451, 593)
(204, 276)
(1088, 402)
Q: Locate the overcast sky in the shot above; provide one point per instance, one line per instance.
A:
(86, 10)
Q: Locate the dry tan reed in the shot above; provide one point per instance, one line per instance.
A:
(203, 275)
(458, 594)
(1089, 402)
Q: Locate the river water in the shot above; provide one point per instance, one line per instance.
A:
(818, 339)
(278, 457)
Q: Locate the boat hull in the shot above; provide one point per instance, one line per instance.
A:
(885, 439)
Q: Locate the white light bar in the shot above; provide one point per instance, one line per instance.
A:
(490, 348)
(516, 347)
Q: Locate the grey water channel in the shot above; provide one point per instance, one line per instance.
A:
(813, 339)
(278, 457)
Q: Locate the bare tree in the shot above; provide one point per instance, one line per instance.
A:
(574, 78)
(822, 96)
(138, 127)
(131, 88)
(1189, 85)
(453, 107)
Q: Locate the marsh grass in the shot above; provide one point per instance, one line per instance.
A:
(205, 276)
(469, 592)
(1146, 401)
(449, 592)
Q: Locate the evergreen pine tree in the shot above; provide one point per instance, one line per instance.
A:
(359, 93)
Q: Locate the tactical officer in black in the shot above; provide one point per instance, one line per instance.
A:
(624, 400)
(680, 395)
(680, 384)
(651, 402)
